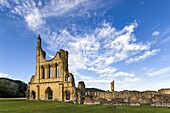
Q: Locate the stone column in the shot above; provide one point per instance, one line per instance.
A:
(60, 69)
(38, 92)
(53, 70)
(41, 72)
(61, 92)
(46, 71)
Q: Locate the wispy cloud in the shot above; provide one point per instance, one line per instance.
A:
(146, 55)
(165, 40)
(4, 75)
(37, 13)
(155, 33)
(124, 74)
(4, 3)
(163, 37)
(132, 79)
(159, 72)
(100, 48)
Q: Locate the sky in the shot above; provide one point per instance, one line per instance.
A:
(126, 41)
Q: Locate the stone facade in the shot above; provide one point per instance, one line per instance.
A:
(52, 79)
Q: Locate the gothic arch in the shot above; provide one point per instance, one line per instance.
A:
(48, 93)
(33, 95)
(67, 93)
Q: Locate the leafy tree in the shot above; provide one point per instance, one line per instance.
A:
(12, 88)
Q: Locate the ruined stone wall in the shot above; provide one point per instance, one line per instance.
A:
(134, 98)
(81, 92)
(52, 79)
(104, 95)
(164, 91)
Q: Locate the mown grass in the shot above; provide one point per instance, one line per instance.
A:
(22, 106)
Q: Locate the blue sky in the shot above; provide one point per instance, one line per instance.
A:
(122, 40)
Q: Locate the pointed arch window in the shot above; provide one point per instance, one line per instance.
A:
(33, 95)
(48, 93)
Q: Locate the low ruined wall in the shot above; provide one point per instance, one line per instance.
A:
(131, 98)
(164, 91)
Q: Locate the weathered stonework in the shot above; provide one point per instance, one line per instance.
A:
(131, 98)
(52, 79)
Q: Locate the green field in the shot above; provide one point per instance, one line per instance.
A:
(22, 106)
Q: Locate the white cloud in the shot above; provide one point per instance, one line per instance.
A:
(108, 71)
(147, 54)
(159, 72)
(128, 83)
(155, 33)
(4, 3)
(39, 3)
(131, 79)
(4, 75)
(36, 13)
(57, 8)
(29, 11)
(124, 74)
(34, 20)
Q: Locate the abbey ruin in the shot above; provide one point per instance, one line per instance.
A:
(53, 81)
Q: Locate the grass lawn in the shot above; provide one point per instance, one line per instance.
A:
(22, 106)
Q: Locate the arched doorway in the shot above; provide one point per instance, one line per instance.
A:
(49, 93)
(82, 100)
(67, 95)
(33, 95)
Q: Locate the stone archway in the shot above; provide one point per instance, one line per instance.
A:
(48, 94)
(33, 95)
(82, 100)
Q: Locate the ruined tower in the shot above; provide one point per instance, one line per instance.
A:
(81, 92)
(112, 86)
